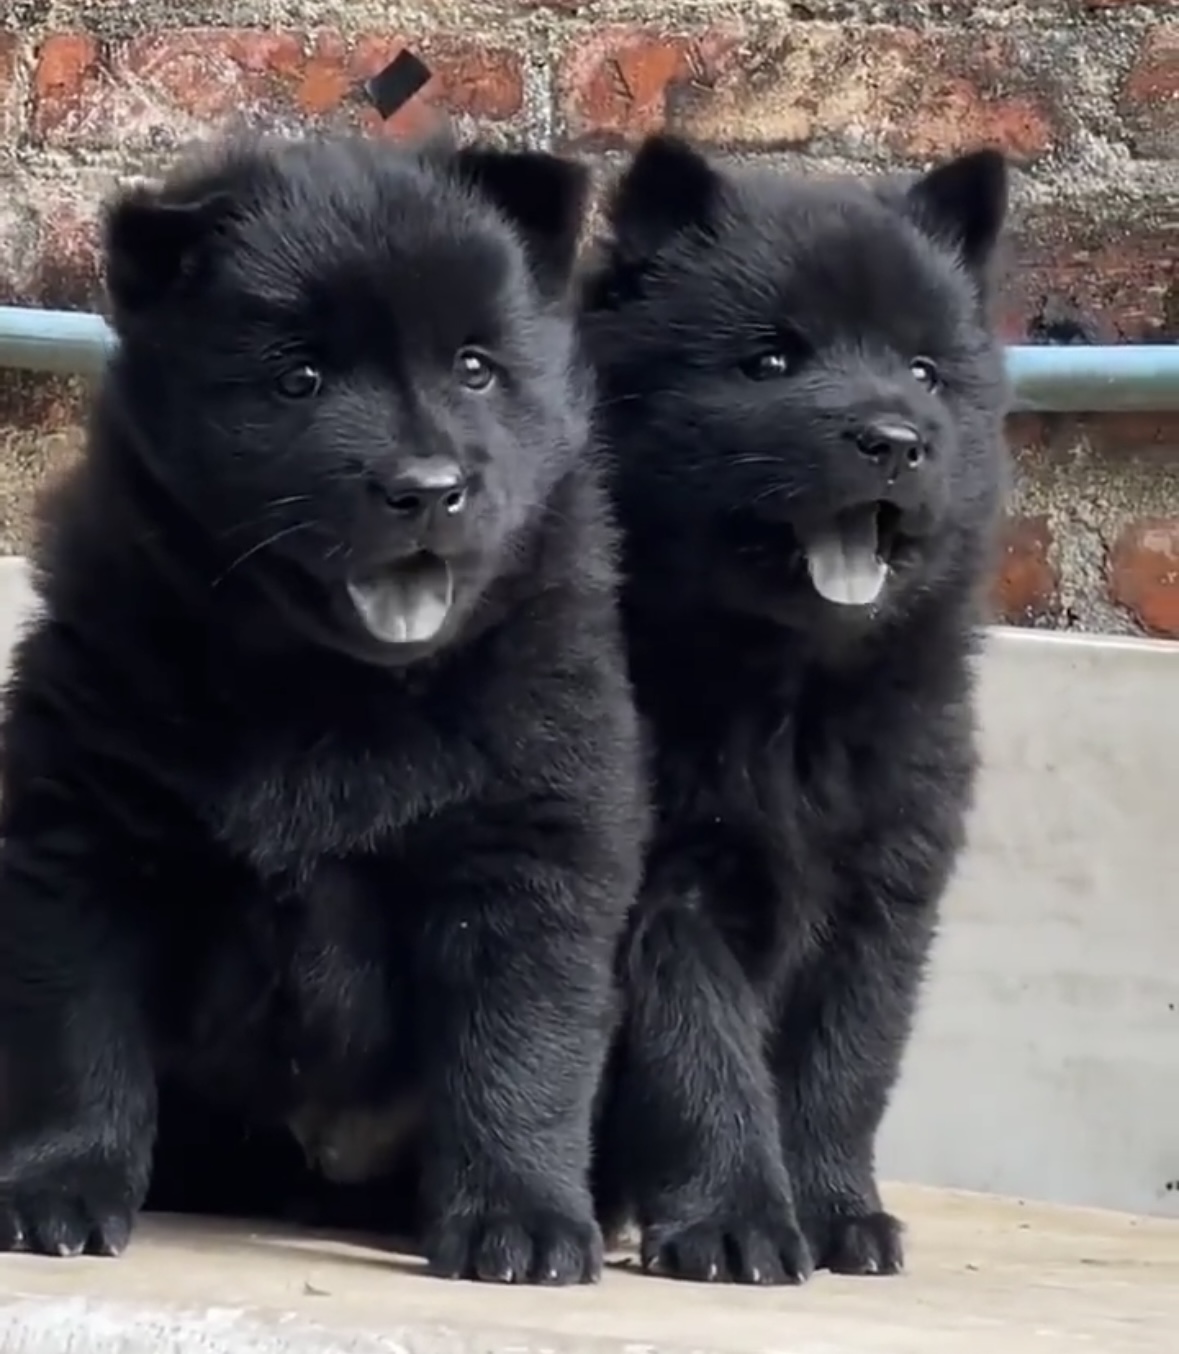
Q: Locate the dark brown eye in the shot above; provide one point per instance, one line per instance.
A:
(301, 382)
(771, 366)
(474, 369)
(924, 372)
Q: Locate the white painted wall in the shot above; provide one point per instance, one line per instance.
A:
(1046, 1061)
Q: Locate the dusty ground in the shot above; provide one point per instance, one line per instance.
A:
(986, 1276)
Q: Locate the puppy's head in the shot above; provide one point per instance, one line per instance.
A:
(800, 381)
(352, 367)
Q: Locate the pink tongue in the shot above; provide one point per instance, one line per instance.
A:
(408, 604)
(844, 565)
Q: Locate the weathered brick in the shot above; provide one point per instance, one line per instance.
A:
(1026, 587)
(1149, 436)
(40, 435)
(850, 89)
(9, 89)
(1145, 438)
(18, 247)
(40, 404)
(1111, 264)
(1150, 96)
(67, 270)
(173, 86)
(1144, 574)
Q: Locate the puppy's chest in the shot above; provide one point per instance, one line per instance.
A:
(343, 780)
(774, 818)
(293, 995)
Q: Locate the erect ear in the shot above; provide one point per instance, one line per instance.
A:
(668, 187)
(542, 195)
(151, 241)
(964, 203)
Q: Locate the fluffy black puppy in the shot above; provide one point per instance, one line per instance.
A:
(804, 401)
(321, 779)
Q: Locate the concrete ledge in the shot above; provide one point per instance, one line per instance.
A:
(986, 1276)
(1046, 1057)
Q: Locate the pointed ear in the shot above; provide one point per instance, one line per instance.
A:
(964, 203)
(151, 242)
(668, 187)
(544, 196)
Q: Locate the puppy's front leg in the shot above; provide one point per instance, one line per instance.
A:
(516, 991)
(688, 1132)
(77, 1088)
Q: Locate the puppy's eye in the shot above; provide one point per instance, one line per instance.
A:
(474, 369)
(300, 382)
(770, 366)
(924, 372)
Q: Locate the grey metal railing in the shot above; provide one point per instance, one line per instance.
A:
(1047, 379)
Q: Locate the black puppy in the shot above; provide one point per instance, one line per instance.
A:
(321, 779)
(804, 401)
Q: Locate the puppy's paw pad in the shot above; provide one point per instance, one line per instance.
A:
(761, 1251)
(63, 1226)
(870, 1244)
(77, 1210)
(532, 1246)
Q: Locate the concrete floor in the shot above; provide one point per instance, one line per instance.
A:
(985, 1274)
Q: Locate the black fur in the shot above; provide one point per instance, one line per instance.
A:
(261, 863)
(753, 333)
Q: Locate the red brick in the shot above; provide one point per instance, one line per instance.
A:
(470, 80)
(829, 87)
(1026, 587)
(175, 85)
(68, 65)
(1150, 97)
(1111, 263)
(616, 85)
(1144, 574)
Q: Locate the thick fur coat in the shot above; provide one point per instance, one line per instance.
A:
(803, 399)
(321, 782)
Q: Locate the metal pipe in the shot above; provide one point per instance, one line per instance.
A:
(1143, 376)
(1059, 380)
(64, 341)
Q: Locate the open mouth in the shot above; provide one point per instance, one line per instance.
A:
(849, 562)
(407, 602)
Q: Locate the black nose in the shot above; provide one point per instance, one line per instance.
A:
(430, 486)
(893, 445)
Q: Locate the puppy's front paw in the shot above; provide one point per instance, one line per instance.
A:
(520, 1242)
(869, 1243)
(76, 1208)
(755, 1241)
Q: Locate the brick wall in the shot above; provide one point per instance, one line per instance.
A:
(1083, 93)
